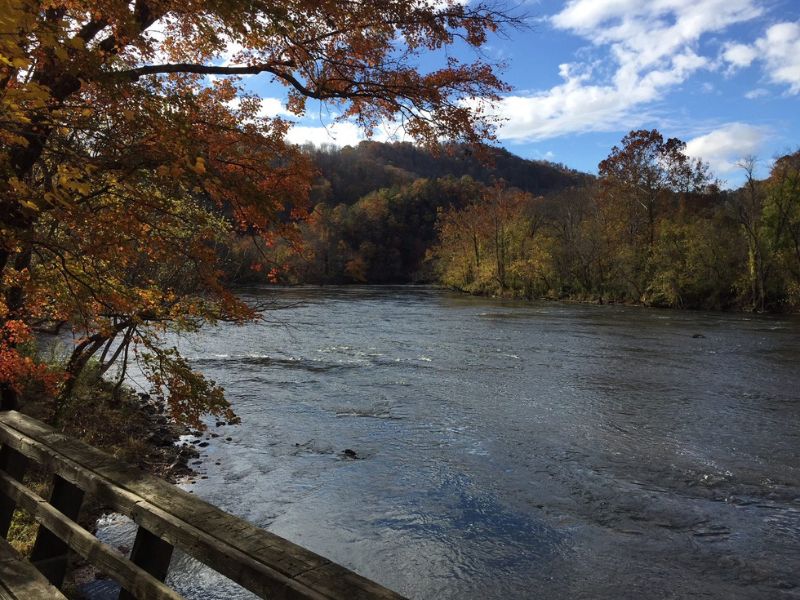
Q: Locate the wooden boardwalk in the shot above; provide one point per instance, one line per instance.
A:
(167, 518)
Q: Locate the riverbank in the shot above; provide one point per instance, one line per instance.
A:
(600, 301)
(518, 295)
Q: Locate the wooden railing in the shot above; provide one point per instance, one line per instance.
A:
(167, 517)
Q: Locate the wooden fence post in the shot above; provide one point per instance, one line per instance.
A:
(50, 553)
(15, 464)
(152, 554)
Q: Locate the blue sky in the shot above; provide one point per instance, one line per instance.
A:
(722, 75)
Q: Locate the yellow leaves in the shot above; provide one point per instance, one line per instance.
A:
(23, 194)
(72, 181)
(68, 182)
(18, 63)
(199, 166)
(18, 185)
(30, 205)
(55, 198)
(76, 43)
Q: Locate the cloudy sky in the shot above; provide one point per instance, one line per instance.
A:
(722, 75)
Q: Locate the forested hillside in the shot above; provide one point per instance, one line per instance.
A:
(654, 228)
(375, 209)
(350, 173)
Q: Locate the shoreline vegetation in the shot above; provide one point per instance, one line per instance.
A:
(654, 228)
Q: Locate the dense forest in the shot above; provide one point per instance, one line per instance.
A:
(376, 208)
(350, 173)
(653, 228)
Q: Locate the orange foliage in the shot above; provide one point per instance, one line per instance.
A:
(125, 170)
(16, 369)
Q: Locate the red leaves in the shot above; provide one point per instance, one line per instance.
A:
(18, 370)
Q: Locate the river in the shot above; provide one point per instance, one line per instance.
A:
(510, 450)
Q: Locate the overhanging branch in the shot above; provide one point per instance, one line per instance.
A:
(205, 69)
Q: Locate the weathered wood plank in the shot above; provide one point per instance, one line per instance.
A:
(20, 580)
(50, 553)
(131, 577)
(334, 581)
(249, 572)
(264, 563)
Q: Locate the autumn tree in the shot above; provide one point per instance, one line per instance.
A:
(580, 254)
(643, 175)
(486, 246)
(639, 182)
(460, 251)
(123, 165)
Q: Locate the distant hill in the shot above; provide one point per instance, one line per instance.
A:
(376, 208)
(351, 173)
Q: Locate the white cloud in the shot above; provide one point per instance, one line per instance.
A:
(653, 47)
(781, 48)
(778, 49)
(270, 107)
(725, 147)
(344, 133)
(739, 55)
(339, 134)
(756, 93)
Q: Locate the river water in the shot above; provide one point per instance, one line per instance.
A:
(510, 450)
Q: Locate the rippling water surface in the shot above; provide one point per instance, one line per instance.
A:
(511, 450)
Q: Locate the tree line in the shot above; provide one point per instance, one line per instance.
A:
(653, 228)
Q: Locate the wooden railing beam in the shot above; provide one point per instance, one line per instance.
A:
(131, 577)
(258, 560)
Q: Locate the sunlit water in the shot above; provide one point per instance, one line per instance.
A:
(510, 450)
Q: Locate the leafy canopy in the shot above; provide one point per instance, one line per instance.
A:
(125, 171)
